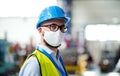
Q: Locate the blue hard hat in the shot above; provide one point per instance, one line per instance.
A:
(51, 12)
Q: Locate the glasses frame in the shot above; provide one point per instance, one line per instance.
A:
(54, 27)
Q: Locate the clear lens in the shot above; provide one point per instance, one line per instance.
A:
(54, 27)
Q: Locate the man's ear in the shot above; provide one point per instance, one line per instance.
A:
(39, 29)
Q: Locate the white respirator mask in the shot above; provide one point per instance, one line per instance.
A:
(53, 38)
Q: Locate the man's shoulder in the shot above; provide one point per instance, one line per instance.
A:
(30, 66)
(31, 62)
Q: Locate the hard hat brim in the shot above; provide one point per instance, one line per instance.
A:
(66, 18)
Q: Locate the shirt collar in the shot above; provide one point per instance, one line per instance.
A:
(49, 51)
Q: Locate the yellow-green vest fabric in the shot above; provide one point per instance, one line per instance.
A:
(47, 68)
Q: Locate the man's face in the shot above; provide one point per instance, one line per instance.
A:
(52, 31)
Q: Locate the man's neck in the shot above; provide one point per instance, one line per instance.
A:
(50, 47)
(54, 49)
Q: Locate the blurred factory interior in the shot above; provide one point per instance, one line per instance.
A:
(91, 46)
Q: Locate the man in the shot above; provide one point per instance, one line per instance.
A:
(46, 60)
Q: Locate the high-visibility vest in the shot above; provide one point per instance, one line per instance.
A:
(47, 68)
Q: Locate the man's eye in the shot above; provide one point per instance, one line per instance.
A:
(53, 25)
